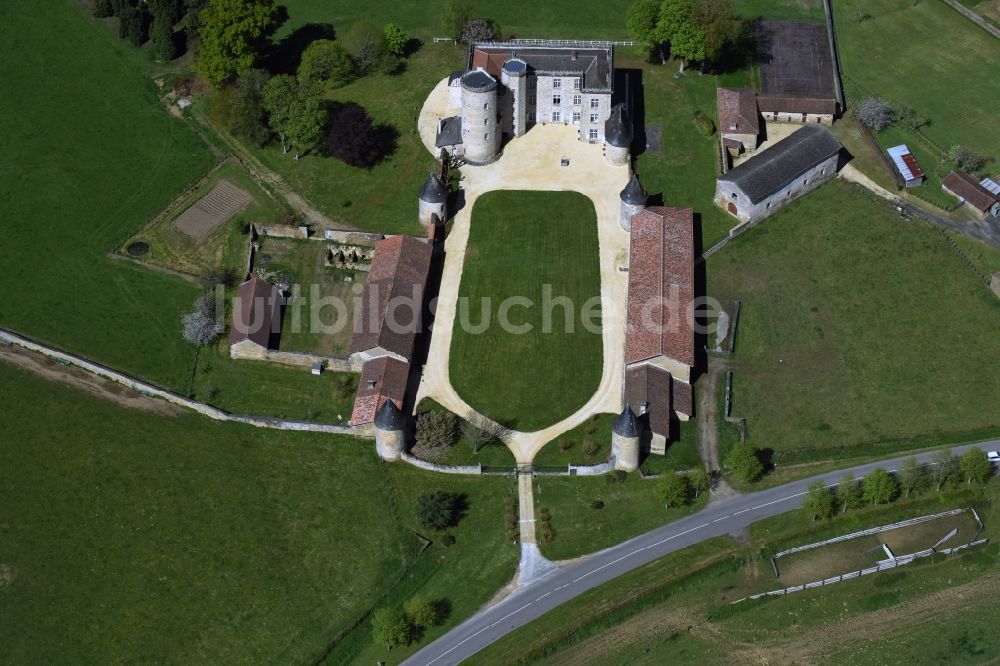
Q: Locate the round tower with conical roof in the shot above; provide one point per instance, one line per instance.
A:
(633, 201)
(625, 434)
(480, 134)
(514, 77)
(390, 431)
(617, 137)
(433, 201)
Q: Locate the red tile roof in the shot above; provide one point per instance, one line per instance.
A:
(383, 378)
(683, 397)
(737, 110)
(790, 104)
(647, 392)
(397, 277)
(256, 312)
(967, 187)
(661, 286)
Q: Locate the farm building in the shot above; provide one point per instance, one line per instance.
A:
(739, 122)
(390, 314)
(906, 165)
(383, 378)
(796, 72)
(509, 86)
(777, 176)
(972, 193)
(659, 337)
(256, 319)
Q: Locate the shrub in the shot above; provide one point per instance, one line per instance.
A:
(597, 504)
(395, 39)
(590, 449)
(704, 124)
(103, 9)
(421, 612)
(967, 160)
(478, 30)
(436, 429)
(366, 45)
(566, 445)
(438, 510)
(744, 462)
(876, 114)
(674, 490)
(447, 541)
(324, 62)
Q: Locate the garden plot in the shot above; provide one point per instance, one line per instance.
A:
(213, 210)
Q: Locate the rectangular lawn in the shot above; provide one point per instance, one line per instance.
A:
(520, 245)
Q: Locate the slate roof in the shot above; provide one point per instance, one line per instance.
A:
(256, 312)
(398, 271)
(382, 379)
(647, 393)
(618, 127)
(633, 192)
(683, 397)
(449, 132)
(965, 186)
(661, 286)
(737, 110)
(433, 190)
(769, 171)
(626, 425)
(479, 81)
(592, 62)
(389, 417)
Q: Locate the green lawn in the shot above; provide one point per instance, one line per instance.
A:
(517, 248)
(930, 57)
(87, 156)
(595, 430)
(781, 10)
(859, 332)
(463, 451)
(631, 507)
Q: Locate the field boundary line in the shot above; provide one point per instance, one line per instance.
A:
(974, 17)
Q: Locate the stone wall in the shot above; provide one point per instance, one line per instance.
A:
(297, 359)
(593, 470)
(444, 469)
(351, 237)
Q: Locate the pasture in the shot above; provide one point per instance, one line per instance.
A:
(544, 367)
(856, 332)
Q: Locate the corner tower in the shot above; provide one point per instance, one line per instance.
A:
(390, 431)
(633, 201)
(625, 441)
(514, 77)
(480, 134)
(617, 137)
(433, 201)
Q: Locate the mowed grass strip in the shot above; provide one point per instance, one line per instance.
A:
(85, 160)
(858, 332)
(521, 245)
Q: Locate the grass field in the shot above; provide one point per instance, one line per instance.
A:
(927, 71)
(856, 331)
(108, 160)
(463, 452)
(677, 609)
(516, 248)
(130, 537)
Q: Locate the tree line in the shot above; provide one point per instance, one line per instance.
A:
(690, 31)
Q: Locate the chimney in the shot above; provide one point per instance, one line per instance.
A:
(371, 383)
(575, 55)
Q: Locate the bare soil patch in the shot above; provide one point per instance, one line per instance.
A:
(213, 210)
(84, 381)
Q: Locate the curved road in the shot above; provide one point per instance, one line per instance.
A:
(568, 581)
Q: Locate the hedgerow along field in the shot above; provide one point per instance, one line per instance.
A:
(130, 536)
(87, 159)
(859, 333)
(930, 57)
(516, 247)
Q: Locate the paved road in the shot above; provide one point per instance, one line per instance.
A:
(725, 517)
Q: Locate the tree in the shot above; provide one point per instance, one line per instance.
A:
(944, 468)
(436, 429)
(911, 476)
(454, 14)
(351, 136)
(967, 160)
(326, 62)
(818, 501)
(642, 21)
(168, 10)
(880, 487)
(481, 431)
(202, 326)
(391, 627)
(719, 23)
(744, 462)
(305, 127)
(280, 95)
(240, 107)
(975, 466)
(674, 490)
(231, 34)
(421, 612)
(133, 24)
(699, 481)
(163, 38)
(478, 30)
(395, 39)
(677, 24)
(848, 493)
(366, 44)
(874, 113)
(437, 509)
(103, 9)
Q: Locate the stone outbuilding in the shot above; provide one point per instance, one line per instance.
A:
(382, 380)
(633, 199)
(778, 175)
(256, 319)
(433, 201)
(739, 121)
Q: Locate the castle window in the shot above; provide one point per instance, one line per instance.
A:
(486, 106)
(592, 134)
(486, 136)
(557, 83)
(556, 99)
(733, 195)
(531, 116)
(595, 103)
(556, 116)
(576, 84)
(577, 100)
(532, 83)
(576, 116)
(594, 117)
(532, 99)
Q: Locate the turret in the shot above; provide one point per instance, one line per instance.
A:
(625, 441)
(480, 134)
(514, 77)
(633, 201)
(390, 431)
(433, 201)
(617, 137)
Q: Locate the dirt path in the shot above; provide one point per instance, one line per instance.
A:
(82, 380)
(708, 424)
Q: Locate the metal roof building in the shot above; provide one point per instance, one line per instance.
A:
(906, 165)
